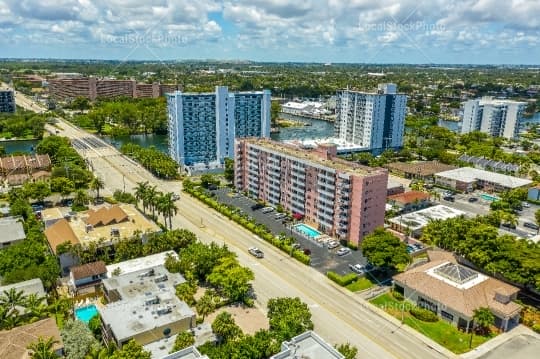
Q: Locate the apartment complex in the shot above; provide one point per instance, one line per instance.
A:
(340, 198)
(7, 100)
(374, 121)
(203, 126)
(93, 88)
(499, 118)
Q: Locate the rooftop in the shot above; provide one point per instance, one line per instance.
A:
(438, 280)
(32, 286)
(148, 300)
(419, 219)
(489, 100)
(11, 229)
(298, 152)
(13, 342)
(186, 353)
(425, 168)
(138, 264)
(409, 197)
(88, 270)
(60, 232)
(160, 349)
(469, 174)
(33, 161)
(307, 345)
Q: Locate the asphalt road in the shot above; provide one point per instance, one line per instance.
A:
(339, 316)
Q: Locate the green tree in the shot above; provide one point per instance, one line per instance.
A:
(140, 193)
(12, 298)
(80, 103)
(275, 109)
(347, 350)
(537, 217)
(225, 327)
(43, 349)
(229, 169)
(483, 318)
(131, 350)
(35, 306)
(205, 305)
(37, 190)
(62, 185)
(183, 340)
(167, 207)
(96, 185)
(81, 199)
(383, 249)
(232, 279)
(207, 180)
(77, 339)
(288, 317)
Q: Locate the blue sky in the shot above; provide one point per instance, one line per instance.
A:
(363, 31)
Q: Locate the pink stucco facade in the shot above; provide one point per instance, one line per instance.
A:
(342, 199)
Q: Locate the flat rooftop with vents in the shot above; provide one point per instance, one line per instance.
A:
(307, 345)
(415, 221)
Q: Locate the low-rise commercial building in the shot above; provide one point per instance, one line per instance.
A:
(143, 306)
(414, 222)
(12, 231)
(467, 179)
(454, 291)
(424, 170)
(307, 345)
(340, 198)
(14, 342)
(410, 201)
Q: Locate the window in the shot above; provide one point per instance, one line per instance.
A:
(447, 316)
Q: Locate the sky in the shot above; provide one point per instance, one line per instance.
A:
(354, 31)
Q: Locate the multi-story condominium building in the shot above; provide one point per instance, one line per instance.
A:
(340, 198)
(7, 100)
(203, 126)
(374, 121)
(499, 118)
(93, 88)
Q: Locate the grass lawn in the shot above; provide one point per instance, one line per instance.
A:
(360, 284)
(441, 332)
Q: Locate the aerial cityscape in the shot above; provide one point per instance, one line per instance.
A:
(269, 179)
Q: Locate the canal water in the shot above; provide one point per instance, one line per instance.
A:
(26, 146)
(313, 129)
(158, 141)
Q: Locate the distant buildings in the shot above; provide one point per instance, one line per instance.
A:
(467, 179)
(12, 231)
(410, 201)
(490, 165)
(203, 126)
(454, 291)
(424, 170)
(338, 197)
(307, 345)
(7, 100)
(499, 118)
(93, 88)
(16, 170)
(306, 108)
(374, 121)
(143, 306)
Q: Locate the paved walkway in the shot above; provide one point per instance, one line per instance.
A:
(520, 342)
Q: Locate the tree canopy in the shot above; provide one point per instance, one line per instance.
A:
(383, 249)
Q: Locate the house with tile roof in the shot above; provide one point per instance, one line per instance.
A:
(85, 278)
(409, 201)
(453, 291)
(16, 170)
(14, 342)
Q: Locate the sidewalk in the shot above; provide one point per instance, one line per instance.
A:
(499, 341)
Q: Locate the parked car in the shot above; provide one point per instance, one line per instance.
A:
(175, 197)
(343, 251)
(531, 225)
(256, 252)
(509, 225)
(296, 246)
(357, 268)
(257, 206)
(333, 244)
(448, 193)
(473, 199)
(307, 251)
(449, 198)
(526, 204)
(267, 209)
(280, 216)
(418, 246)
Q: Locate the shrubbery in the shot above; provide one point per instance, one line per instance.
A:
(423, 314)
(342, 280)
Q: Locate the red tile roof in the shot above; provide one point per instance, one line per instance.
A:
(409, 197)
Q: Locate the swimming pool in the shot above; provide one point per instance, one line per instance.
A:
(307, 230)
(84, 314)
(488, 197)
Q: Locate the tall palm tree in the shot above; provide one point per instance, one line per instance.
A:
(97, 184)
(12, 298)
(167, 207)
(35, 306)
(205, 305)
(43, 349)
(81, 198)
(150, 198)
(140, 193)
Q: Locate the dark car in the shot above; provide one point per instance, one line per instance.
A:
(531, 225)
(473, 199)
(449, 198)
(257, 206)
(509, 225)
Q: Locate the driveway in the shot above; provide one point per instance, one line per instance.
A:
(522, 347)
(322, 258)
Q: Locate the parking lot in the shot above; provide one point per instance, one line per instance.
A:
(322, 258)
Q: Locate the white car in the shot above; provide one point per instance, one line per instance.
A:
(256, 252)
(267, 209)
(343, 251)
(357, 268)
(333, 244)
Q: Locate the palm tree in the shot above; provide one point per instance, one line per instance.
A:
(81, 198)
(43, 349)
(150, 198)
(167, 207)
(35, 306)
(205, 305)
(140, 193)
(97, 184)
(12, 298)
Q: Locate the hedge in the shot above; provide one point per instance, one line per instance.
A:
(536, 328)
(342, 280)
(260, 230)
(423, 314)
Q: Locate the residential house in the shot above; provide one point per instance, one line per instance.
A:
(12, 231)
(86, 277)
(409, 201)
(14, 342)
(17, 170)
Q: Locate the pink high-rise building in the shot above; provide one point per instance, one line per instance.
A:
(340, 198)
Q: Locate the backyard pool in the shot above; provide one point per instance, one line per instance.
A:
(84, 314)
(307, 230)
(488, 197)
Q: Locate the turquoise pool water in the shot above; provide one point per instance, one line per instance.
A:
(488, 197)
(307, 230)
(84, 314)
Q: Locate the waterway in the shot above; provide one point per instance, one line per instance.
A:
(314, 129)
(158, 141)
(26, 146)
